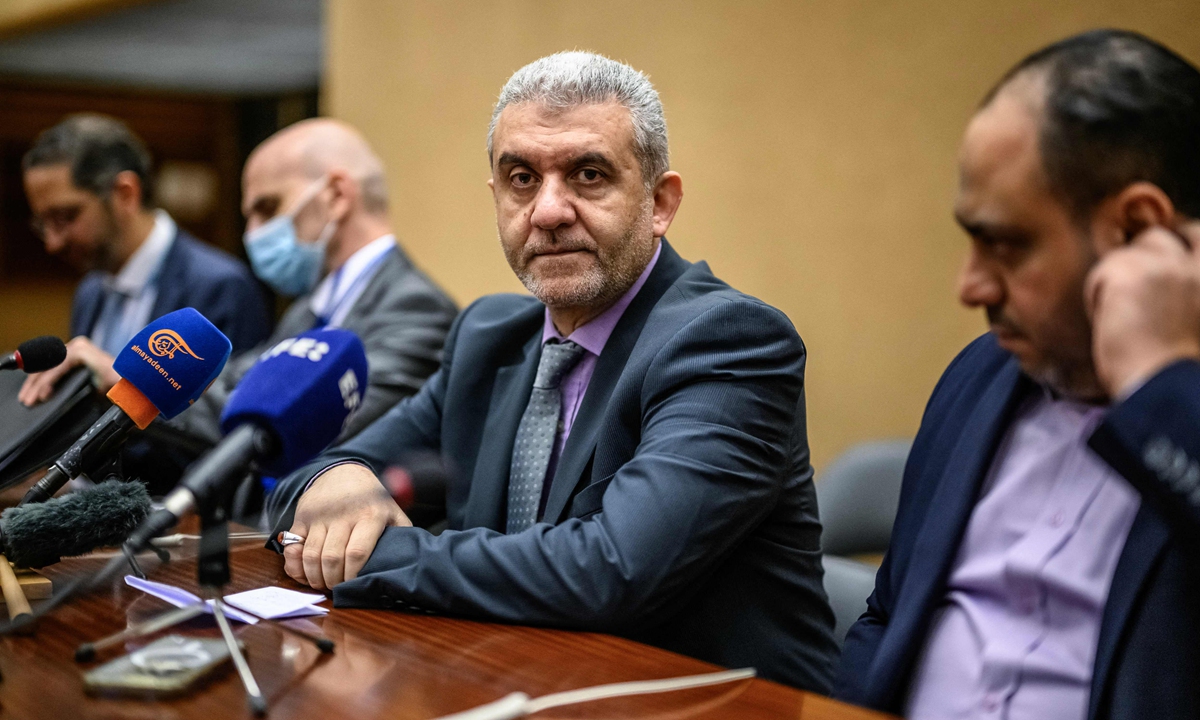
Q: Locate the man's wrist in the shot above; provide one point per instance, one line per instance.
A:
(1143, 371)
(331, 466)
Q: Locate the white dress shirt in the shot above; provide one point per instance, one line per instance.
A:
(337, 293)
(137, 285)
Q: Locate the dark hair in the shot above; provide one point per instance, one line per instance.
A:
(97, 148)
(1119, 108)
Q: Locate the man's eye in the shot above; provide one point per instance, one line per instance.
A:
(522, 179)
(589, 175)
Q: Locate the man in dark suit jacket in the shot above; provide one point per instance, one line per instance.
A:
(628, 449)
(368, 284)
(197, 275)
(1044, 561)
(88, 184)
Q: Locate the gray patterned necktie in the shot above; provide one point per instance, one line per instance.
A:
(536, 433)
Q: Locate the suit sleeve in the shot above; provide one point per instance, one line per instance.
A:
(404, 347)
(1151, 439)
(717, 410)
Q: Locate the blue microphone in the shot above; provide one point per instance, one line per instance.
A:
(163, 369)
(290, 406)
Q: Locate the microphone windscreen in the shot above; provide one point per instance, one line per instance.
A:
(174, 359)
(41, 353)
(303, 390)
(40, 534)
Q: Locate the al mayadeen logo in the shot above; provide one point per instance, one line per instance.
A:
(165, 343)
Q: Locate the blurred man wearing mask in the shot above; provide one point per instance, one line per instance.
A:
(315, 201)
(1044, 561)
(88, 184)
(628, 445)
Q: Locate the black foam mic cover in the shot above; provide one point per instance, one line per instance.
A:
(41, 353)
(42, 533)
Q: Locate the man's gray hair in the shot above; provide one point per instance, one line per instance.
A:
(569, 79)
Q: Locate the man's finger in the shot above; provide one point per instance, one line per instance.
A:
(1162, 240)
(333, 555)
(313, 545)
(361, 545)
(293, 562)
(28, 389)
(38, 387)
(1190, 231)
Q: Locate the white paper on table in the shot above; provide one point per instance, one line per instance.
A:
(182, 598)
(275, 603)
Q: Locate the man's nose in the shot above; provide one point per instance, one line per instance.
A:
(978, 284)
(54, 241)
(553, 206)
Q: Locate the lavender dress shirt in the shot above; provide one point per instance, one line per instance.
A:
(591, 336)
(1015, 636)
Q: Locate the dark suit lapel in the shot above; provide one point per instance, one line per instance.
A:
(389, 273)
(939, 538)
(1147, 539)
(92, 303)
(611, 363)
(170, 279)
(486, 503)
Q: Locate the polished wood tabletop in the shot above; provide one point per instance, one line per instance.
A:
(386, 664)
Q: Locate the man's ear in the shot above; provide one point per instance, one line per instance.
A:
(668, 193)
(346, 192)
(126, 194)
(1121, 217)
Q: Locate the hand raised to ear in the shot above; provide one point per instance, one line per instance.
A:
(1144, 303)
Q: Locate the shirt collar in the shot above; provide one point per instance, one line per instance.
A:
(338, 281)
(593, 335)
(142, 267)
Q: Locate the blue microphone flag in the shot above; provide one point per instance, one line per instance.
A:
(304, 390)
(174, 359)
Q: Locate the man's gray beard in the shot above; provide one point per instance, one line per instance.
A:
(604, 282)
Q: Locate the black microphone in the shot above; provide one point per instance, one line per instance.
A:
(103, 516)
(163, 370)
(291, 405)
(36, 355)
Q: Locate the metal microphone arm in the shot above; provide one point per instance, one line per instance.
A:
(101, 438)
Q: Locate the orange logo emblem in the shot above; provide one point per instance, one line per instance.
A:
(165, 343)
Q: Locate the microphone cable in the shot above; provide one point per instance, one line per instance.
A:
(519, 705)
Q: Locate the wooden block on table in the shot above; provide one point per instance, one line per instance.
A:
(35, 585)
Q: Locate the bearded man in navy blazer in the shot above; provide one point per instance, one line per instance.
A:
(1044, 559)
(88, 180)
(629, 444)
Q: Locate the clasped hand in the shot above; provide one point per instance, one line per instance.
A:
(1144, 302)
(341, 518)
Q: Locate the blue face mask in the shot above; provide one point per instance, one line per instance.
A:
(278, 258)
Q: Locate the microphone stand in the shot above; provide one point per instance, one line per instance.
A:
(213, 574)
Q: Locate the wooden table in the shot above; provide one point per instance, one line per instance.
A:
(386, 664)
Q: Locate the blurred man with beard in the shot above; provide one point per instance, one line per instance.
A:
(88, 180)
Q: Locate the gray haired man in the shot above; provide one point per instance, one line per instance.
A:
(628, 445)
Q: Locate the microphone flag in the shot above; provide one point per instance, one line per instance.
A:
(172, 361)
(303, 390)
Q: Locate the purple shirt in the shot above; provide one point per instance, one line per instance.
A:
(1015, 636)
(591, 336)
